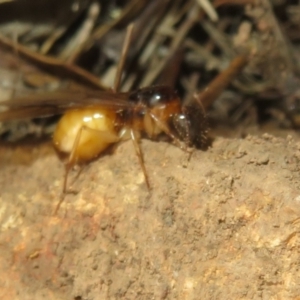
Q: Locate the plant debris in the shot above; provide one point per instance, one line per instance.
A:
(173, 41)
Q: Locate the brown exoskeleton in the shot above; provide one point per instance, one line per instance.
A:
(93, 120)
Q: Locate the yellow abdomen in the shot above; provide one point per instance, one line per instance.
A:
(87, 132)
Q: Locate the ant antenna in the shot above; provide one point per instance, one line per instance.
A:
(123, 57)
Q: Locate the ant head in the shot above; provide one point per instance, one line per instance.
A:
(191, 125)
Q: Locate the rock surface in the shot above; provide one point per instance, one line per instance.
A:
(223, 226)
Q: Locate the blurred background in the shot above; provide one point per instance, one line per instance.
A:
(239, 58)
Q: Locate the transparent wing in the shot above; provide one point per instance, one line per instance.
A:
(53, 103)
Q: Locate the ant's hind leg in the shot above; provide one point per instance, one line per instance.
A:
(106, 139)
(140, 156)
(72, 159)
(68, 166)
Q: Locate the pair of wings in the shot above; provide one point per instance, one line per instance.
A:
(55, 103)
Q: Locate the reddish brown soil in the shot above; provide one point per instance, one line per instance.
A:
(223, 226)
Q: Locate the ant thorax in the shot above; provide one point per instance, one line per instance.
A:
(154, 108)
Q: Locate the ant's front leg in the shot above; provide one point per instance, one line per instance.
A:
(164, 127)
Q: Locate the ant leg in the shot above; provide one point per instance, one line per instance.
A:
(106, 136)
(81, 167)
(167, 131)
(140, 156)
(187, 139)
(68, 166)
(72, 160)
(178, 143)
